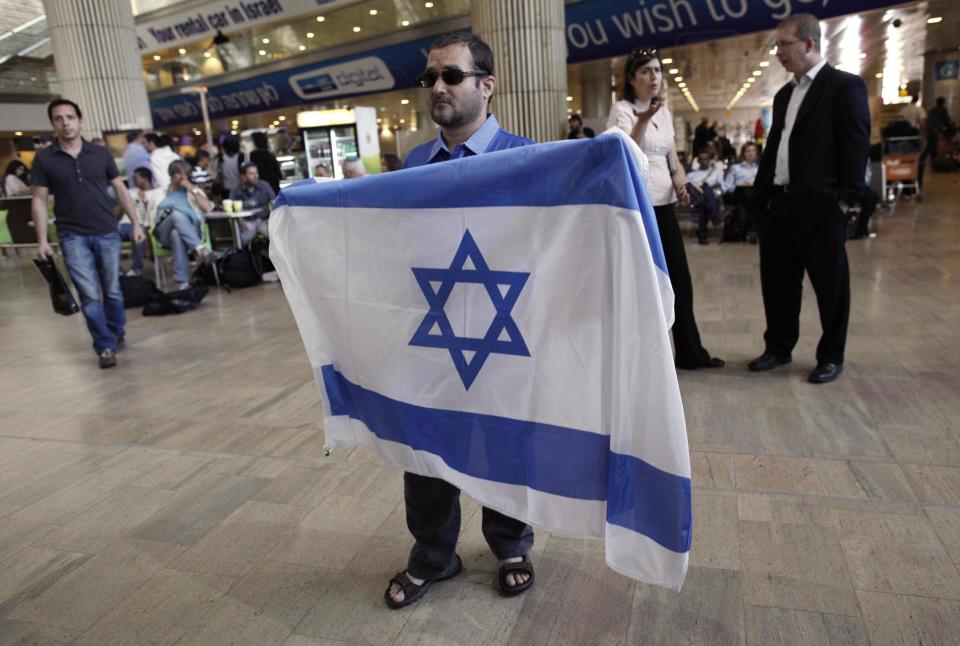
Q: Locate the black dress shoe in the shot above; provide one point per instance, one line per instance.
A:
(712, 362)
(768, 360)
(825, 373)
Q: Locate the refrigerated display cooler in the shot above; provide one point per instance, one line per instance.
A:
(330, 136)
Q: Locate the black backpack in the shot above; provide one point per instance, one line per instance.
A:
(137, 291)
(235, 268)
(177, 302)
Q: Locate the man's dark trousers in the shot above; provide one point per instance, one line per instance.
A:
(804, 231)
(433, 517)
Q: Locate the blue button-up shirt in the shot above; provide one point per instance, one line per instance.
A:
(488, 138)
(739, 175)
(135, 156)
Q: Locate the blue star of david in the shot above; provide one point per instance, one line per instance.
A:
(503, 336)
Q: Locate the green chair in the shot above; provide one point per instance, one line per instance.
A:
(160, 253)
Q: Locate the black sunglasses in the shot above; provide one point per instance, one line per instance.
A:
(450, 76)
(647, 52)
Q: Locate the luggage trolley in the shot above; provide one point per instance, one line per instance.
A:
(901, 166)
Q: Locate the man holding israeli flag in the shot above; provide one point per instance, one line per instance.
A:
(498, 323)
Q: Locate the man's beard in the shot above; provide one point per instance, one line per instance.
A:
(467, 112)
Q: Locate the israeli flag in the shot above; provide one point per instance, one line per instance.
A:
(501, 322)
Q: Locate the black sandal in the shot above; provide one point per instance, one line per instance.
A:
(411, 591)
(523, 566)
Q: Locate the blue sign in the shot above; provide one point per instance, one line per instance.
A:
(380, 70)
(594, 29)
(946, 70)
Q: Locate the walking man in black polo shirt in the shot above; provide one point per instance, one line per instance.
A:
(77, 173)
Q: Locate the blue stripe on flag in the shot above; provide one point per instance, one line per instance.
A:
(601, 170)
(553, 459)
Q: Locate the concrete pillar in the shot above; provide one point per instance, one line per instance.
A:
(98, 64)
(596, 81)
(530, 54)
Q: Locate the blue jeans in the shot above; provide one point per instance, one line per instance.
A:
(180, 235)
(126, 234)
(93, 263)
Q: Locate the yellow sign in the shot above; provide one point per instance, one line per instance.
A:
(317, 118)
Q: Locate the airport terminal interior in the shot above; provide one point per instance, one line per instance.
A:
(188, 496)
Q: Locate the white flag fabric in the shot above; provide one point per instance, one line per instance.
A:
(501, 322)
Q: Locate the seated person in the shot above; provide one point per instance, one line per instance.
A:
(178, 225)
(145, 200)
(738, 188)
(255, 195)
(704, 185)
(353, 167)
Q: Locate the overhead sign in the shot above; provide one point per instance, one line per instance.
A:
(379, 70)
(946, 70)
(198, 21)
(605, 28)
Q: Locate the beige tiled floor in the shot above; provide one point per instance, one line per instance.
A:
(183, 498)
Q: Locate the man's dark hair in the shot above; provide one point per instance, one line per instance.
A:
(576, 117)
(805, 25)
(201, 154)
(259, 140)
(743, 149)
(145, 173)
(155, 139)
(14, 166)
(230, 145)
(481, 52)
(635, 60)
(248, 164)
(941, 100)
(57, 103)
(132, 135)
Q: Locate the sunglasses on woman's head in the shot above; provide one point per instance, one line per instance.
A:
(450, 76)
(646, 52)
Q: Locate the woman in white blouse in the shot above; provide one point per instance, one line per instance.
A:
(642, 115)
(13, 179)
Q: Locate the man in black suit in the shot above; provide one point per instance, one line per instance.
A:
(811, 171)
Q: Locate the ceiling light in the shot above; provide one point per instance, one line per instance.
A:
(773, 50)
(428, 5)
(207, 54)
(404, 101)
(282, 118)
(309, 34)
(262, 52)
(233, 132)
(266, 41)
(764, 63)
(757, 72)
(373, 12)
(156, 57)
(569, 98)
(302, 48)
(182, 50)
(18, 133)
(379, 120)
(320, 18)
(673, 70)
(682, 85)
(878, 75)
(403, 120)
(667, 61)
(356, 30)
(934, 20)
(404, 23)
